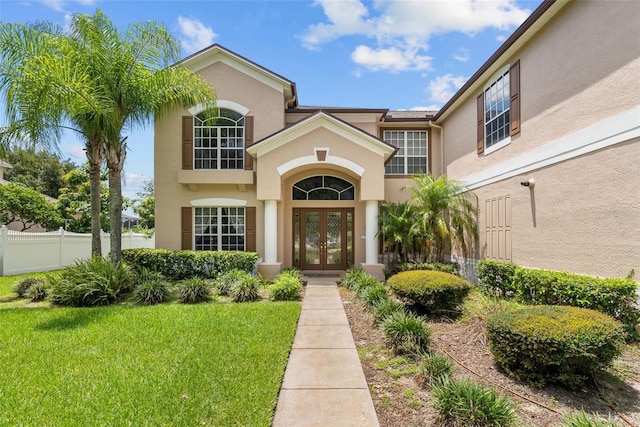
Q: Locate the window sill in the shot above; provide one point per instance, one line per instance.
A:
(497, 146)
(203, 176)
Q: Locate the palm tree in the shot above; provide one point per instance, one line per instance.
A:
(132, 71)
(447, 214)
(395, 228)
(45, 93)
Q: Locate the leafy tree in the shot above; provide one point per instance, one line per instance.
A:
(39, 170)
(99, 82)
(28, 207)
(446, 214)
(74, 201)
(145, 207)
(396, 221)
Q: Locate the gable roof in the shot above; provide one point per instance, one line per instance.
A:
(531, 25)
(321, 119)
(217, 53)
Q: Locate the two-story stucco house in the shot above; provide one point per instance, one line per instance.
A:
(546, 133)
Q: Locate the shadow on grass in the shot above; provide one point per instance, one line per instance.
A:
(72, 319)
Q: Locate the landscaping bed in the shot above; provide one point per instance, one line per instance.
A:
(400, 400)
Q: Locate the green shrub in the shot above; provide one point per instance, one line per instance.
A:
(352, 277)
(193, 291)
(286, 287)
(147, 275)
(406, 333)
(37, 291)
(293, 272)
(431, 290)
(450, 268)
(227, 281)
(615, 297)
(433, 367)
(151, 292)
(95, 281)
(465, 403)
(364, 283)
(496, 277)
(21, 287)
(385, 309)
(479, 306)
(562, 344)
(374, 294)
(582, 419)
(246, 290)
(178, 265)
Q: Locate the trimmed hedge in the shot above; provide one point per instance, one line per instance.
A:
(179, 265)
(450, 268)
(615, 297)
(286, 287)
(496, 277)
(431, 290)
(559, 344)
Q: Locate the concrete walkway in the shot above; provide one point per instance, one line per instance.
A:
(324, 384)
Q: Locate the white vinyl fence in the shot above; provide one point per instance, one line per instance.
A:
(22, 252)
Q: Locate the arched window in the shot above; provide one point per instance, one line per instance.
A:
(323, 187)
(218, 142)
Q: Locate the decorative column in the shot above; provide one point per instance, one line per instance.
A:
(270, 231)
(371, 232)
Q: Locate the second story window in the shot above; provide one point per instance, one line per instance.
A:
(218, 142)
(412, 155)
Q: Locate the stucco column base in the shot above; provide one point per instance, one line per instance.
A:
(375, 270)
(268, 270)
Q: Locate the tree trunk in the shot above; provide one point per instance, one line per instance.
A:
(115, 162)
(94, 151)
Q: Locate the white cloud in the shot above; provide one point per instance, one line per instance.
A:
(402, 28)
(195, 35)
(57, 5)
(87, 2)
(77, 151)
(432, 107)
(133, 182)
(357, 73)
(442, 88)
(501, 38)
(462, 54)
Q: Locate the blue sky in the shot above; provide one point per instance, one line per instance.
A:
(396, 54)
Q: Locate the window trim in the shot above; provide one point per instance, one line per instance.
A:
(506, 70)
(382, 130)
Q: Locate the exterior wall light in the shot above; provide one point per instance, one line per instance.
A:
(530, 183)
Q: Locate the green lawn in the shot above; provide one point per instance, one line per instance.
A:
(167, 365)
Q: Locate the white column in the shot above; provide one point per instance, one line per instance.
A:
(270, 231)
(371, 231)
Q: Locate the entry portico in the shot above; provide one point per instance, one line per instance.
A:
(320, 180)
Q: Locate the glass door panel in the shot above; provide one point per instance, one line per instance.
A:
(333, 247)
(312, 242)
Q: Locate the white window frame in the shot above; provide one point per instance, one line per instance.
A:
(217, 224)
(222, 135)
(404, 150)
(492, 98)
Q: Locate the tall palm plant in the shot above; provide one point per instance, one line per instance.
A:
(135, 80)
(396, 221)
(446, 212)
(46, 90)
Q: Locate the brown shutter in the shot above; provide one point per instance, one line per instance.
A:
(187, 142)
(187, 228)
(248, 141)
(250, 229)
(514, 96)
(480, 106)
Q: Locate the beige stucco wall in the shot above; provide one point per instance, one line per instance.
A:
(581, 216)
(582, 67)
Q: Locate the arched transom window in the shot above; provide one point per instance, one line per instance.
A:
(323, 187)
(218, 142)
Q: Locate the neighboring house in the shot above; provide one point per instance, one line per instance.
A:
(557, 107)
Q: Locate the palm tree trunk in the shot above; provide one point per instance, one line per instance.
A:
(115, 163)
(94, 155)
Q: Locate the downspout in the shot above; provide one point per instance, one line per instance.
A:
(442, 171)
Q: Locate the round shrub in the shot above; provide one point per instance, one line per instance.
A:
(151, 292)
(465, 403)
(22, 286)
(374, 294)
(246, 290)
(286, 287)
(406, 333)
(560, 344)
(37, 291)
(431, 290)
(193, 291)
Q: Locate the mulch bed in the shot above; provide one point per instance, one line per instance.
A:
(400, 399)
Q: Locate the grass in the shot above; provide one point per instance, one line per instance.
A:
(172, 364)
